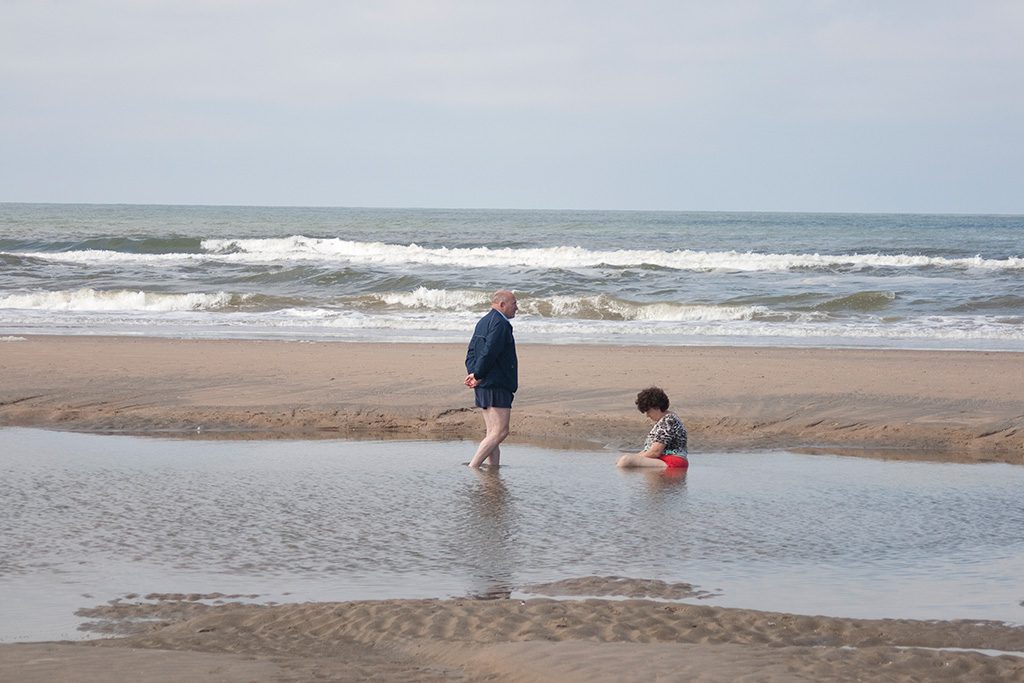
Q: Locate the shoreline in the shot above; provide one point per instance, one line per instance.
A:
(951, 406)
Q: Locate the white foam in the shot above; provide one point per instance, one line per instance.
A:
(988, 652)
(603, 307)
(600, 307)
(313, 323)
(304, 248)
(438, 299)
(116, 300)
(298, 248)
(449, 314)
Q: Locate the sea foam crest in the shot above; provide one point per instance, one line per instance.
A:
(298, 247)
(438, 299)
(603, 307)
(599, 307)
(335, 250)
(116, 300)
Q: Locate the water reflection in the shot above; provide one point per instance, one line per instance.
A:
(668, 479)
(352, 520)
(489, 535)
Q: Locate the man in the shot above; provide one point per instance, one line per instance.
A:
(494, 373)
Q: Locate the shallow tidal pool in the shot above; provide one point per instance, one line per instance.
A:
(86, 519)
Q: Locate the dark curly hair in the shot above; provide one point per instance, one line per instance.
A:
(651, 397)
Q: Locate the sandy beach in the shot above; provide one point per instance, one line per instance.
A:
(510, 640)
(953, 406)
(946, 406)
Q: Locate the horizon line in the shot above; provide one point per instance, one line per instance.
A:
(513, 209)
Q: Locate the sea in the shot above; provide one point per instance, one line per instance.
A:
(591, 277)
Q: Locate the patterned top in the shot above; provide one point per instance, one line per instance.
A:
(670, 431)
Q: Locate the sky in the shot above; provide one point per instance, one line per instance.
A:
(772, 105)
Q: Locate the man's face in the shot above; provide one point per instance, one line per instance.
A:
(509, 307)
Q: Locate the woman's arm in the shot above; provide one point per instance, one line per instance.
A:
(648, 458)
(656, 450)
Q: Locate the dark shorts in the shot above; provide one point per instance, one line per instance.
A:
(493, 397)
(675, 461)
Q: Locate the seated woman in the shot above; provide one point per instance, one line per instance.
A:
(666, 443)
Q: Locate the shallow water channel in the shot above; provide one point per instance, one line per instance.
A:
(89, 518)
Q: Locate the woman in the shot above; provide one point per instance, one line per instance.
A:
(666, 443)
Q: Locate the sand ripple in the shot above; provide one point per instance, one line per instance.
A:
(592, 639)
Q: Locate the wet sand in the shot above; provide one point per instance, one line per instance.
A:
(953, 406)
(962, 407)
(512, 640)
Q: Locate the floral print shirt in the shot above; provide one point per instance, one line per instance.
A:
(669, 430)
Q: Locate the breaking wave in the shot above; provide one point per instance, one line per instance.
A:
(599, 307)
(119, 300)
(339, 251)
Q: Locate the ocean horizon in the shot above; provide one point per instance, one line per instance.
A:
(928, 281)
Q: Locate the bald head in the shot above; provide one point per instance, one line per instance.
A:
(505, 301)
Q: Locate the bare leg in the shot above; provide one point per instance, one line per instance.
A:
(496, 420)
(637, 460)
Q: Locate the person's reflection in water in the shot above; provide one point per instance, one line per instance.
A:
(666, 479)
(659, 481)
(665, 492)
(490, 536)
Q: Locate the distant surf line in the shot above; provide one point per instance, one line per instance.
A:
(333, 250)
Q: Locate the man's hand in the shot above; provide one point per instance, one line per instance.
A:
(471, 381)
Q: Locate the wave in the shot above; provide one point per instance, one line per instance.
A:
(119, 300)
(860, 301)
(435, 299)
(599, 307)
(1008, 302)
(693, 325)
(423, 304)
(951, 332)
(605, 307)
(423, 299)
(140, 245)
(335, 251)
(437, 314)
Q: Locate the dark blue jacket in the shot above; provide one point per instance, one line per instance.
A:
(491, 356)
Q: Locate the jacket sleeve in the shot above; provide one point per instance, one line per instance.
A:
(490, 347)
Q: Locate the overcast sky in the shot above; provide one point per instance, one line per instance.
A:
(858, 105)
